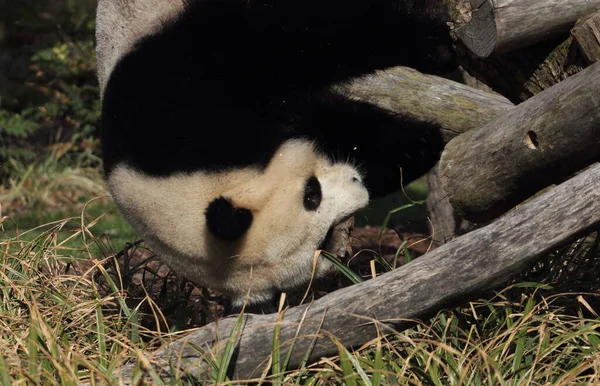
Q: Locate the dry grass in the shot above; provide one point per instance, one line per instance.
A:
(63, 321)
(72, 312)
(54, 182)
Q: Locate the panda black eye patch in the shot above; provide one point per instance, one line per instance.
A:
(312, 194)
(226, 221)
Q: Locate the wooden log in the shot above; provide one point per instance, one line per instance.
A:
(444, 223)
(540, 142)
(498, 26)
(587, 35)
(521, 73)
(459, 270)
(452, 106)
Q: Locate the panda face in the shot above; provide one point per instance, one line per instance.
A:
(246, 230)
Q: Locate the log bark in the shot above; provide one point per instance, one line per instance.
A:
(538, 143)
(587, 35)
(456, 271)
(452, 106)
(444, 223)
(499, 26)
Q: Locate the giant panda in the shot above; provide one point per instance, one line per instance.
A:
(228, 146)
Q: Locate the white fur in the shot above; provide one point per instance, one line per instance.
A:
(277, 251)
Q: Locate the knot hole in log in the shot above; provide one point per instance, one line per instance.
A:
(531, 140)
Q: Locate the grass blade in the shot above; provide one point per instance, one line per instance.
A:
(346, 271)
(225, 358)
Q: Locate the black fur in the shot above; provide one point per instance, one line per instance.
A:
(226, 221)
(228, 81)
(312, 194)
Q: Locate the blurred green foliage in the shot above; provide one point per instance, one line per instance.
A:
(49, 99)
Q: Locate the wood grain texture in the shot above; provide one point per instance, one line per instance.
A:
(452, 106)
(587, 36)
(498, 26)
(454, 272)
(444, 223)
(542, 141)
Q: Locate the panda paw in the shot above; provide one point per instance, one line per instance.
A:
(226, 221)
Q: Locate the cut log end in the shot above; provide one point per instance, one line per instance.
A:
(479, 35)
(587, 35)
(500, 26)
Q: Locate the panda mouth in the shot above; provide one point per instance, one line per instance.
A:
(337, 237)
(326, 242)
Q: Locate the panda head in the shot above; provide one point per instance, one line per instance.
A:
(247, 232)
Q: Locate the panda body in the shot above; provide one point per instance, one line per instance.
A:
(227, 145)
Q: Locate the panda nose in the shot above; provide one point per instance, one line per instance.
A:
(356, 178)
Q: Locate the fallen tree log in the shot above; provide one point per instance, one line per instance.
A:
(452, 106)
(538, 143)
(519, 75)
(499, 26)
(455, 271)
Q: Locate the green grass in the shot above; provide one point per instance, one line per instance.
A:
(68, 191)
(107, 230)
(55, 328)
(496, 342)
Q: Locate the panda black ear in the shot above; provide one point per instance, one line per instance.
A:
(226, 221)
